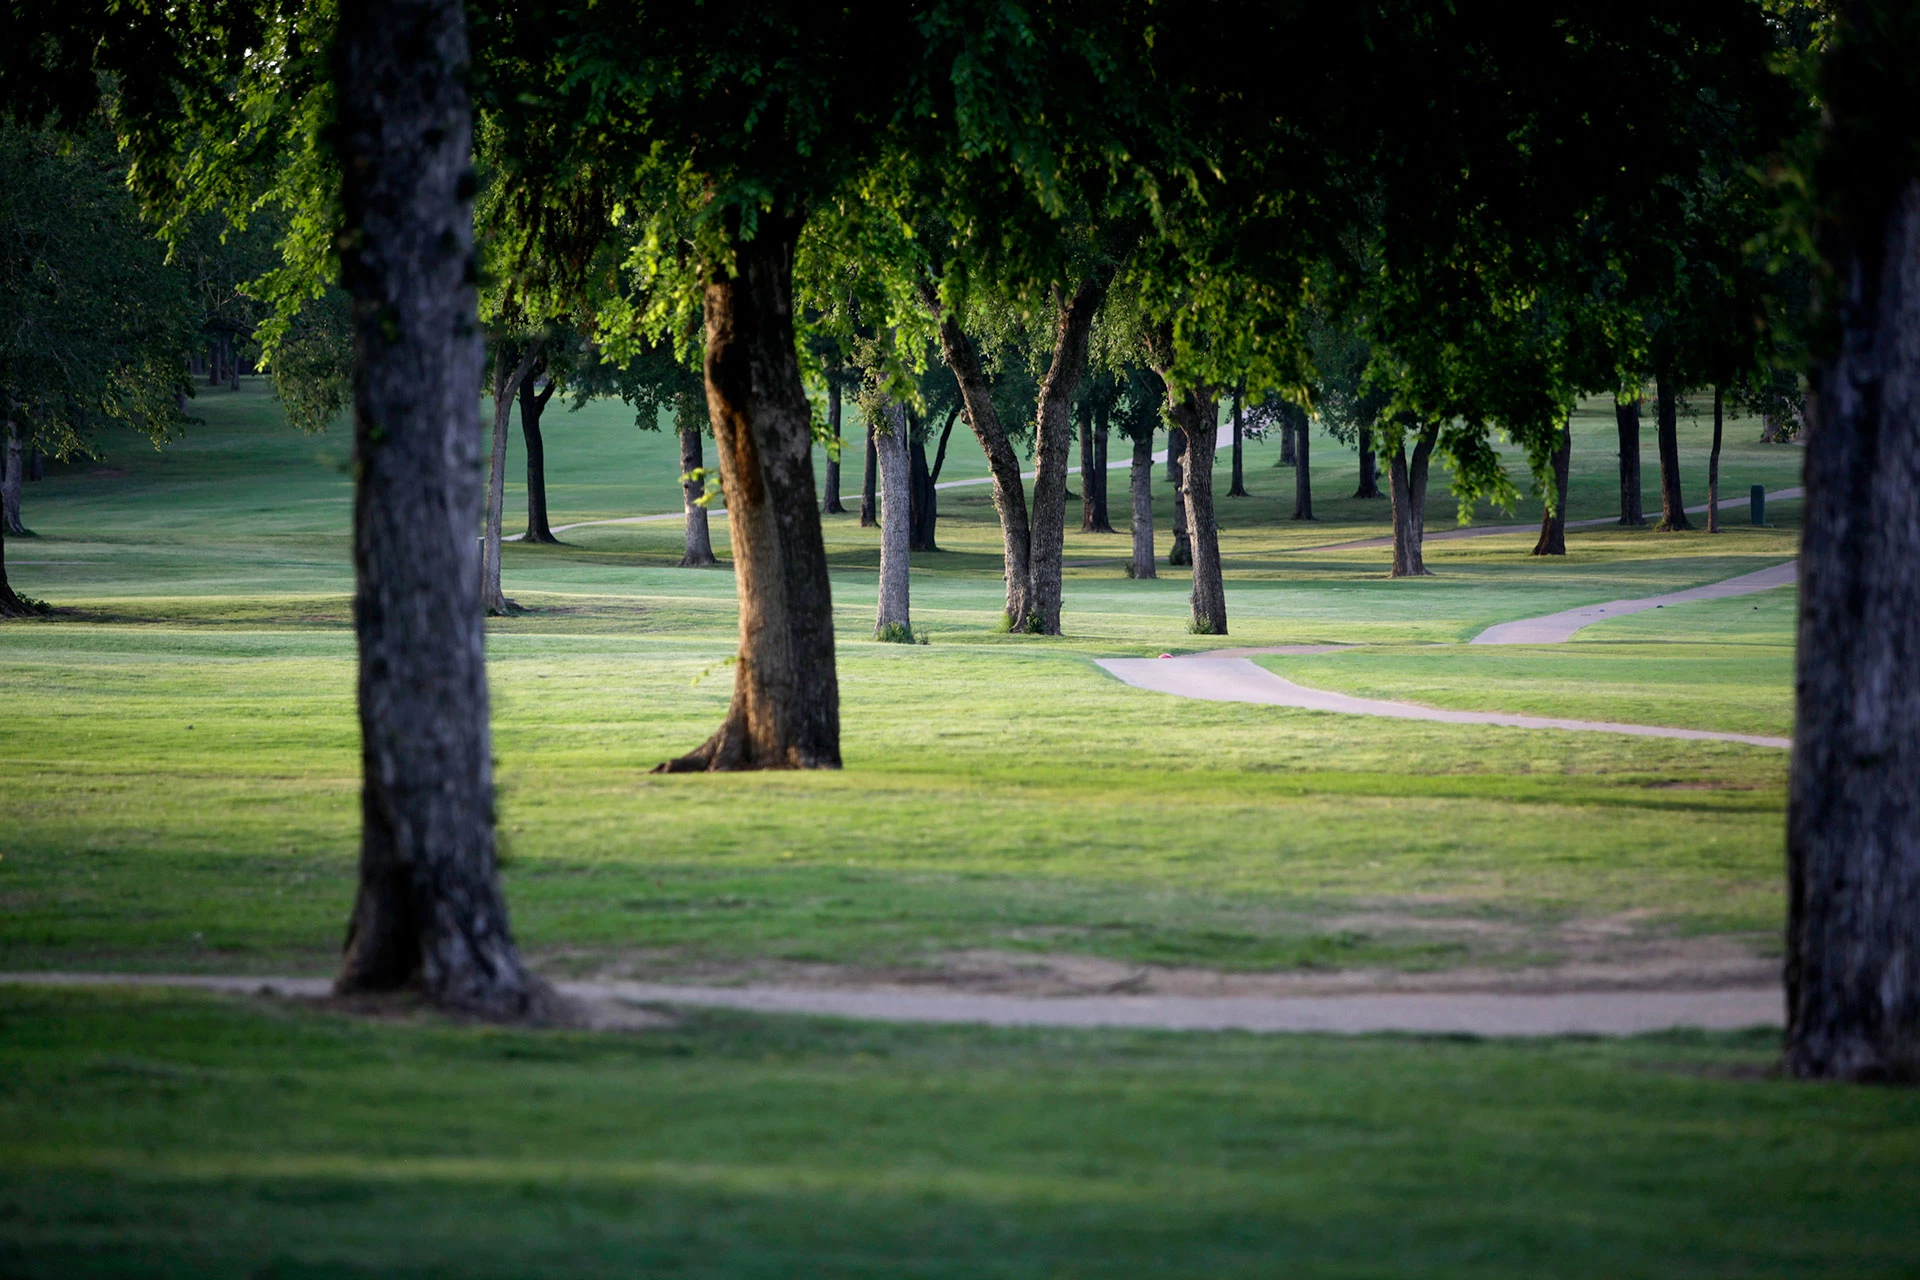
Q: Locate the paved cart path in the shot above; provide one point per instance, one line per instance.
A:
(1557, 628)
(1431, 1013)
(1489, 530)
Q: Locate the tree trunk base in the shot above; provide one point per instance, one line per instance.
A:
(542, 536)
(1678, 524)
(691, 561)
(503, 607)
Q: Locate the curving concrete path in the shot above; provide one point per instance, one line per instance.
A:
(1490, 530)
(1557, 628)
(1624, 1012)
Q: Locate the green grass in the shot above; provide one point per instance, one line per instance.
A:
(150, 1135)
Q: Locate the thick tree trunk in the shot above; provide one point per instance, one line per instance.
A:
(429, 910)
(1238, 489)
(1626, 420)
(11, 605)
(1181, 552)
(510, 368)
(1196, 411)
(870, 485)
(1003, 464)
(1053, 441)
(699, 536)
(1673, 507)
(1140, 477)
(1369, 486)
(786, 693)
(533, 404)
(1853, 813)
(12, 472)
(1553, 525)
(1407, 483)
(1713, 464)
(1102, 510)
(1302, 468)
(833, 506)
(892, 620)
(1286, 442)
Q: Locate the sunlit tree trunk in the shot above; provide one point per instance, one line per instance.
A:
(693, 492)
(1140, 477)
(1003, 464)
(510, 368)
(1196, 411)
(892, 619)
(1053, 442)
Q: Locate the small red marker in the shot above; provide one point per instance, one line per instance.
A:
(1166, 655)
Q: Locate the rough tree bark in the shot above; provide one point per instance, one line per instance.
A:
(1286, 442)
(892, 620)
(1181, 552)
(1713, 464)
(1053, 441)
(1003, 464)
(1141, 487)
(533, 403)
(11, 605)
(1853, 812)
(1673, 507)
(1196, 412)
(12, 472)
(699, 535)
(1407, 485)
(429, 911)
(1102, 510)
(833, 506)
(1238, 489)
(510, 368)
(869, 481)
(1369, 486)
(786, 694)
(1553, 525)
(1302, 467)
(1626, 421)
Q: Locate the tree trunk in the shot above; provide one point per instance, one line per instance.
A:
(1713, 464)
(1286, 441)
(786, 693)
(1182, 550)
(892, 620)
(233, 364)
(1407, 482)
(533, 404)
(1673, 508)
(1853, 813)
(510, 369)
(1626, 419)
(1053, 439)
(1369, 486)
(923, 516)
(11, 605)
(12, 472)
(1553, 525)
(1141, 488)
(699, 538)
(429, 911)
(869, 480)
(1197, 411)
(1102, 510)
(1238, 489)
(1086, 469)
(833, 505)
(1302, 467)
(1003, 464)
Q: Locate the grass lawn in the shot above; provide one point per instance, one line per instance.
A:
(155, 1134)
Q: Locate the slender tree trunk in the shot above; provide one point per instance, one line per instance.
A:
(11, 474)
(1054, 439)
(1287, 458)
(1102, 511)
(1553, 525)
(833, 506)
(1182, 550)
(926, 512)
(233, 364)
(1302, 467)
(429, 910)
(1087, 481)
(1713, 464)
(1238, 489)
(1673, 508)
(786, 694)
(1626, 419)
(510, 368)
(1197, 412)
(869, 485)
(699, 537)
(892, 620)
(1003, 464)
(1141, 489)
(1407, 483)
(1369, 486)
(533, 404)
(1853, 812)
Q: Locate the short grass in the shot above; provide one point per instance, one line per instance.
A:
(169, 1135)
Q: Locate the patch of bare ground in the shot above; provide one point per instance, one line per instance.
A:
(1622, 952)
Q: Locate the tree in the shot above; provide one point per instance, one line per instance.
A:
(1853, 824)
(535, 391)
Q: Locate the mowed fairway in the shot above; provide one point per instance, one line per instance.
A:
(179, 779)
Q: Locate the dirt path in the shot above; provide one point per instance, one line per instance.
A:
(1489, 530)
(1557, 628)
(1443, 1013)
